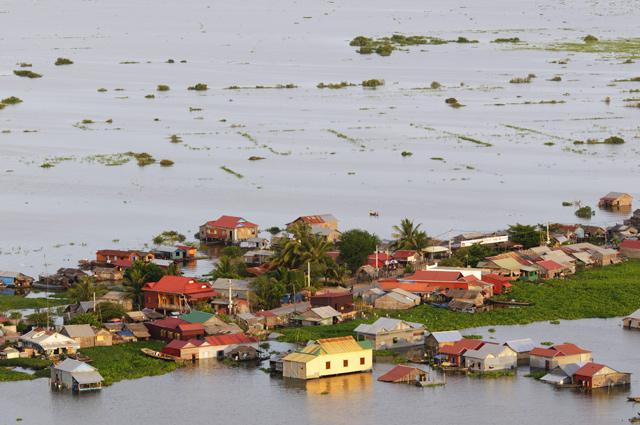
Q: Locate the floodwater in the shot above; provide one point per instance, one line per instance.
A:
(55, 216)
(248, 395)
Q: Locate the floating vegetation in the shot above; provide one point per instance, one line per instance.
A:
(102, 90)
(199, 87)
(12, 100)
(406, 153)
(170, 61)
(248, 137)
(63, 61)
(453, 102)
(166, 163)
(143, 158)
(2, 106)
(345, 137)
(437, 158)
(174, 138)
(525, 80)
(384, 46)
(276, 86)
(25, 65)
(373, 83)
(256, 158)
(340, 85)
(435, 85)
(585, 212)
(556, 78)
(530, 130)
(613, 140)
(150, 96)
(26, 73)
(472, 140)
(591, 44)
(549, 144)
(628, 80)
(129, 62)
(163, 87)
(53, 161)
(230, 171)
(464, 40)
(507, 40)
(567, 204)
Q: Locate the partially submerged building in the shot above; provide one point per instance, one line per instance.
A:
(388, 333)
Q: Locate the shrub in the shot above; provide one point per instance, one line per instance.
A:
(453, 102)
(385, 50)
(585, 212)
(613, 140)
(26, 73)
(11, 100)
(360, 41)
(373, 83)
(163, 87)
(590, 39)
(365, 50)
(63, 61)
(166, 163)
(435, 85)
(199, 87)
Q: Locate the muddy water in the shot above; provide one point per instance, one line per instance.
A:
(245, 395)
(70, 210)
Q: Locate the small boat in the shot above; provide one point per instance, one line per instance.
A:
(374, 213)
(158, 355)
(634, 399)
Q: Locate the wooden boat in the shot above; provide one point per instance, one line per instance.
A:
(374, 213)
(510, 303)
(634, 399)
(158, 355)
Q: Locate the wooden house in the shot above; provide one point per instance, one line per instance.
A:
(406, 256)
(388, 333)
(167, 252)
(340, 301)
(549, 269)
(437, 340)
(615, 200)
(562, 374)
(76, 376)
(630, 248)
(177, 293)
(15, 279)
(559, 354)
(228, 229)
(82, 334)
(117, 297)
(48, 343)
(327, 357)
(523, 348)
(405, 375)
(453, 354)
(491, 357)
(189, 251)
(397, 299)
(113, 255)
(174, 328)
(325, 225)
(315, 316)
(632, 321)
(595, 375)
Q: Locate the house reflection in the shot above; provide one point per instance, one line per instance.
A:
(334, 385)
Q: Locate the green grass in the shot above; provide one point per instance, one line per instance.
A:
(604, 292)
(40, 366)
(16, 302)
(126, 361)
(629, 46)
(8, 375)
(492, 374)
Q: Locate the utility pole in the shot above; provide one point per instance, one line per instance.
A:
(548, 238)
(309, 274)
(377, 272)
(449, 237)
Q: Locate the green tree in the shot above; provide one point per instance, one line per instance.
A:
(137, 276)
(267, 292)
(108, 311)
(409, 236)
(85, 290)
(232, 251)
(355, 246)
(173, 270)
(86, 319)
(39, 319)
(526, 235)
(225, 268)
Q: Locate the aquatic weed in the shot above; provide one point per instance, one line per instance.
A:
(63, 61)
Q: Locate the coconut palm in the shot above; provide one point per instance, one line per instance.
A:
(135, 279)
(84, 290)
(409, 236)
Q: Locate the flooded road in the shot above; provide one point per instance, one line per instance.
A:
(243, 395)
(324, 150)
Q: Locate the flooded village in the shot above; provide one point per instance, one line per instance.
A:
(329, 212)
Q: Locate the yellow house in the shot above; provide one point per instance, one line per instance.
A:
(329, 356)
(325, 225)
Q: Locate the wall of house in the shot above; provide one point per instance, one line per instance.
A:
(608, 377)
(630, 252)
(388, 303)
(295, 370)
(317, 367)
(406, 338)
(632, 323)
(506, 360)
(538, 362)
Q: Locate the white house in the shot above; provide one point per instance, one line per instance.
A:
(491, 357)
(49, 342)
(76, 376)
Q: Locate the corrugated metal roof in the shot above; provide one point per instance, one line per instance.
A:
(299, 357)
(343, 344)
(87, 377)
(447, 336)
(486, 350)
(387, 324)
(79, 331)
(523, 345)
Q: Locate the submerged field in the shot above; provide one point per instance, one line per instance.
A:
(597, 293)
(461, 127)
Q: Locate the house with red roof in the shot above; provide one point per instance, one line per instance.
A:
(381, 260)
(325, 225)
(595, 375)
(177, 293)
(110, 256)
(406, 256)
(405, 375)
(175, 328)
(556, 355)
(500, 284)
(454, 353)
(228, 229)
(630, 248)
(550, 269)
(424, 282)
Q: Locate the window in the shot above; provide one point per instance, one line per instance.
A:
(361, 360)
(327, 365)
(345, 363)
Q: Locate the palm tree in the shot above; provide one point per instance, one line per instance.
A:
(409, 236)
(135, 279)
(225, 268)
(173, 270)
(84, 290)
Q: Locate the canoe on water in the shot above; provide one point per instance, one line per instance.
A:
(158, 355)
(634, 399)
